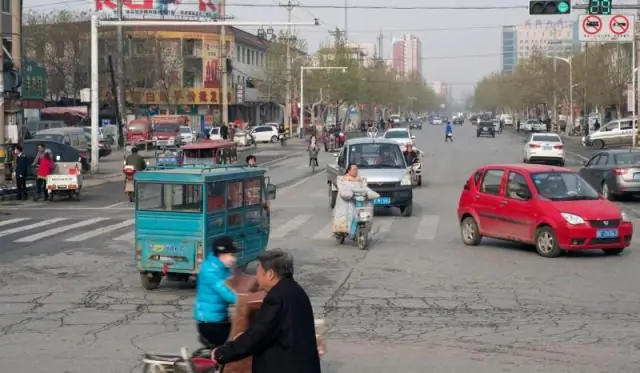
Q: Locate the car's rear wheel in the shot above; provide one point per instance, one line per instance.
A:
(274, 139)
(333, 196)
(547, 243)
(470, 232)
(613, 251)
(606, 193)
(598, 144)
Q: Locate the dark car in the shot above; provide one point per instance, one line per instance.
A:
(486, 128)
(458, 121)
(105, 147)
(416, 124)
(614, 173)
(66, 153)
(473, 120)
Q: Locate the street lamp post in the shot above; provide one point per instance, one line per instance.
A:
(95, 74)
(302, 70)
(568, 61)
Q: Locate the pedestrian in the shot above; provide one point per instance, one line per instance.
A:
(45, 168)
(596, 125)
(518, 126)
(21, 172)
(448, 135)
(252, 161)
(224, 131)
(282, 337)
(39, 154)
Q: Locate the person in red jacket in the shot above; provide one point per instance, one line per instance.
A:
(45, 168)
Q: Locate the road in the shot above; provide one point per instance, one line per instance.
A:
(417, 298)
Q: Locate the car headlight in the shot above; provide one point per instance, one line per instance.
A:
(406, 180)
(625, 217)
(572, 219)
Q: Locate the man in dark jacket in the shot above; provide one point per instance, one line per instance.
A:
(224, 131)
(282, 337)
(135, 160)
(22, 170)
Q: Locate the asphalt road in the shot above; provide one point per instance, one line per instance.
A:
(418, 301)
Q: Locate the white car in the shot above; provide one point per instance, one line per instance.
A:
(187, 135)
(400, 135)
(507, 120)
(437, 121)
(544, 148)
(265, 133)
(240, 137)
(527, 125)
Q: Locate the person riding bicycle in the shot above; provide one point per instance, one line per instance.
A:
(213, 295)
(410, 155)
(448, 132)
(313, 150)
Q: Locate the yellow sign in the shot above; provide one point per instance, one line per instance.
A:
(175, 96)
(178, 35)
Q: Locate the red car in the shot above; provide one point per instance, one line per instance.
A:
(550, 207)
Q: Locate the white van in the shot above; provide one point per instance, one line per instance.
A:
(618, 132)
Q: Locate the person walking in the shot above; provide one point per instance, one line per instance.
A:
(45, 168)
(21, 173)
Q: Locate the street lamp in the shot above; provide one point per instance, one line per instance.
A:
(634, 79)
(95, 74)
(568, 61)
(302, 70)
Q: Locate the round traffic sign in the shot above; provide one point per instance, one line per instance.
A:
(563, 7)
(619, 24)
(591, 25)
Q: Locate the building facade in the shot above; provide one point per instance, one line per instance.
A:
(553, 38)
(509, 49)
(407, 56)
(441, 89)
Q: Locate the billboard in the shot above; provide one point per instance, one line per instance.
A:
(160, 9)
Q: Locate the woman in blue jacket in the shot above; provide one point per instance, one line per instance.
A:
(213, 295)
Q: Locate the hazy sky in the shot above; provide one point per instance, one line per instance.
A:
(458, 46)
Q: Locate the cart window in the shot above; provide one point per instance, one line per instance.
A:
(169, 197)
(234, 194)
(215, 196)
(252, 192)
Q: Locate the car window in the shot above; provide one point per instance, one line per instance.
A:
(593, 161)
(396, 135)
(342, 158)
(517, 187)
(611, 126)
(477, 176)
(626, 125)
(376, 156)
(563, 186)
(546, 138)
(215, 131)
(185, 130)
(603, 160)
(50, 137)
(627, 158)
(491, 182)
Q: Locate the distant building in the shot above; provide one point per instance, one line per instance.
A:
(441, 89)
(368, 51)
(509, 48)
(407, 55)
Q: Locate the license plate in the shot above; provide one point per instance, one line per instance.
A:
(166, 259)
(485, 128)
(546, 148)
(636, 176)
(607, 233)
(382, 201)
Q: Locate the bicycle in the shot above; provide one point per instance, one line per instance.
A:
(313, 158)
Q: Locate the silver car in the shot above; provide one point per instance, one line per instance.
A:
(615, 173)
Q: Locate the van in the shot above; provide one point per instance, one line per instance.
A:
(72, 136)
(617, 133)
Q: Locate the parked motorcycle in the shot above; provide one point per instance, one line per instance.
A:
(129, 185)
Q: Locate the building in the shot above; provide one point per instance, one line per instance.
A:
(509, 49)
(407, 55)
(559, 38)
(368, 52)
(441, 89)
(176, 70)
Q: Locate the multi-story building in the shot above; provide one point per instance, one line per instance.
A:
(559, 38)
(368, 52)
(407, 56)
(509, 48)
(172, 71)
(441, 89)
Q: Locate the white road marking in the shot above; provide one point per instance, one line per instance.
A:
(31, 226)
(290, 226)
(428, 227)
(99, 231)
(325, 233)
(129, 237)
(13, 221)
(54, 231)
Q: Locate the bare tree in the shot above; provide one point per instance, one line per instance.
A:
(58, 41)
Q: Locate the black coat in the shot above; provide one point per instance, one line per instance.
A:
(282, 337)
(22, 165)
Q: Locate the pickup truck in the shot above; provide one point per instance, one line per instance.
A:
(381, 162)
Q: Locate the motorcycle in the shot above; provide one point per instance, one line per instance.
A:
(252, 140)
(283, 139)
(360, 226)
(313, 158)
(129, 185)
(449, 137)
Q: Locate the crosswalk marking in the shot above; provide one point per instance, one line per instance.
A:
(31, 226)
(288, 227)
(54, 231)
(99, 231)
(12, 221)
(324, 233)
(428, 227)
(125, 237)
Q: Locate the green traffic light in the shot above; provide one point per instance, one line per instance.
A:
(563, 7)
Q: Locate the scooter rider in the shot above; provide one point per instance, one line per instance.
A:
(448, 136)
(213, 295)
(134, 159)
(410, 155)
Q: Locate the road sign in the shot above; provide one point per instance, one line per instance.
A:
(607, 28)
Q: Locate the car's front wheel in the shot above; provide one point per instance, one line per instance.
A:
(470, 232)
(547, 243)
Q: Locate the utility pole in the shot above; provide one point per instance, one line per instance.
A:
(2, 117)
(555, 76)
(16, 33)
(120, 76)
(224, 81)
(346, 17)
(287, 106)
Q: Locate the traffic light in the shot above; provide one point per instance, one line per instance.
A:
(600, 7)
(549, 7)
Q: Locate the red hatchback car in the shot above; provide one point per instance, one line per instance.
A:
(550, 207)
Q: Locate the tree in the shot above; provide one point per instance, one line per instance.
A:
(60, 42)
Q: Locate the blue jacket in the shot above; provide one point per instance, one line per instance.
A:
(449, 128)
(213, 296)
